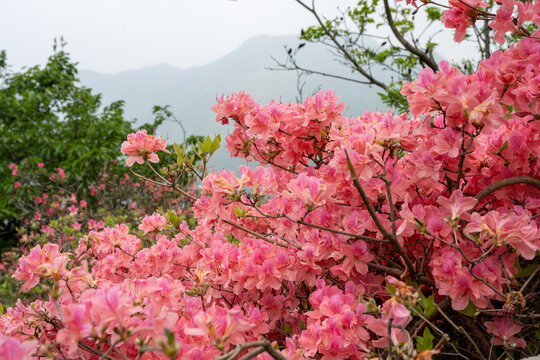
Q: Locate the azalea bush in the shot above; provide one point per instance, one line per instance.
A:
(412, 236)
(61, 217)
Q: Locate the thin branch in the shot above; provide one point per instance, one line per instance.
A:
(189, 196)
(463, 331)
(343, 51)
(295, 66)
(535, 272)
(397, 273)
(375, 218)
(261, 346)
(422, 56)
(260, 236)
(355, 236)
(506, 182)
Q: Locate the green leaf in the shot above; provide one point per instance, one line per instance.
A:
(240, 212)
(470, 311)
(207, 145)
(216, 143)
(429, 306)
(231, 239)
(425, 342)
(170, 336)
(434, 13)
(177, 149)
(527, 271)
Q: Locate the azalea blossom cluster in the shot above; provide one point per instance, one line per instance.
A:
(511, 16)
(141, 146)
(356, 237)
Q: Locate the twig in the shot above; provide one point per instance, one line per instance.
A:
(355, 236)
(463, 331)
(397, 273)
(260, 236)
(535, 272)
(262, 346)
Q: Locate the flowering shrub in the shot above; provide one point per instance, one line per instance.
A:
(379, 236)
(59, 216)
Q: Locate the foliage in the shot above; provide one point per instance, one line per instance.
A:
(375, 36)
(48, 118)
(59, 138)
(412, 236)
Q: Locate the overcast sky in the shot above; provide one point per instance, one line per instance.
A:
(115, 35)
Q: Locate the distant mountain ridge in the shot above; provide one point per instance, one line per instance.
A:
(192, 92)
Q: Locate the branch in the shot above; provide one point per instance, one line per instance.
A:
(341, 48)
(535, 272)
(506, 182)
(461, 330)
(397, 273)
(261, 346)
(375, 218)
(260, 236)
(189, 196)
(413, 49)
(355, 236)
(295, 66)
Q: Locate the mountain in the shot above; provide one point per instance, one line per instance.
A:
(192, 92)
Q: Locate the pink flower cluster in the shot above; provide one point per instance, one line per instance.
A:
(509, 17)
(140, 147)
(306, 249)
(152, 223)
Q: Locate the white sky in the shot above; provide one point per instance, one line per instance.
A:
(115, 35)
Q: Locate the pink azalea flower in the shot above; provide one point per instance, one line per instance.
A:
(504, 21)
(17, 185)
(310, 190)
(61, 173)
(13, 349)
(77, 326)
(43, 262)
(504, 330)
(457, 205)
(41, 165)
(152, 223)
(46, 229)
(141, 146)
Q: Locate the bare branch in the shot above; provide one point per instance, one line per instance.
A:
(342, 50)
(260, 236)
(375, 218)
(295, 66)
(506, 182)
(422, 56)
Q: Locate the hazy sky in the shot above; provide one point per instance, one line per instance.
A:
(116, 35)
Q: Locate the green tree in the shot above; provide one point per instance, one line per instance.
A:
(48, 117)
